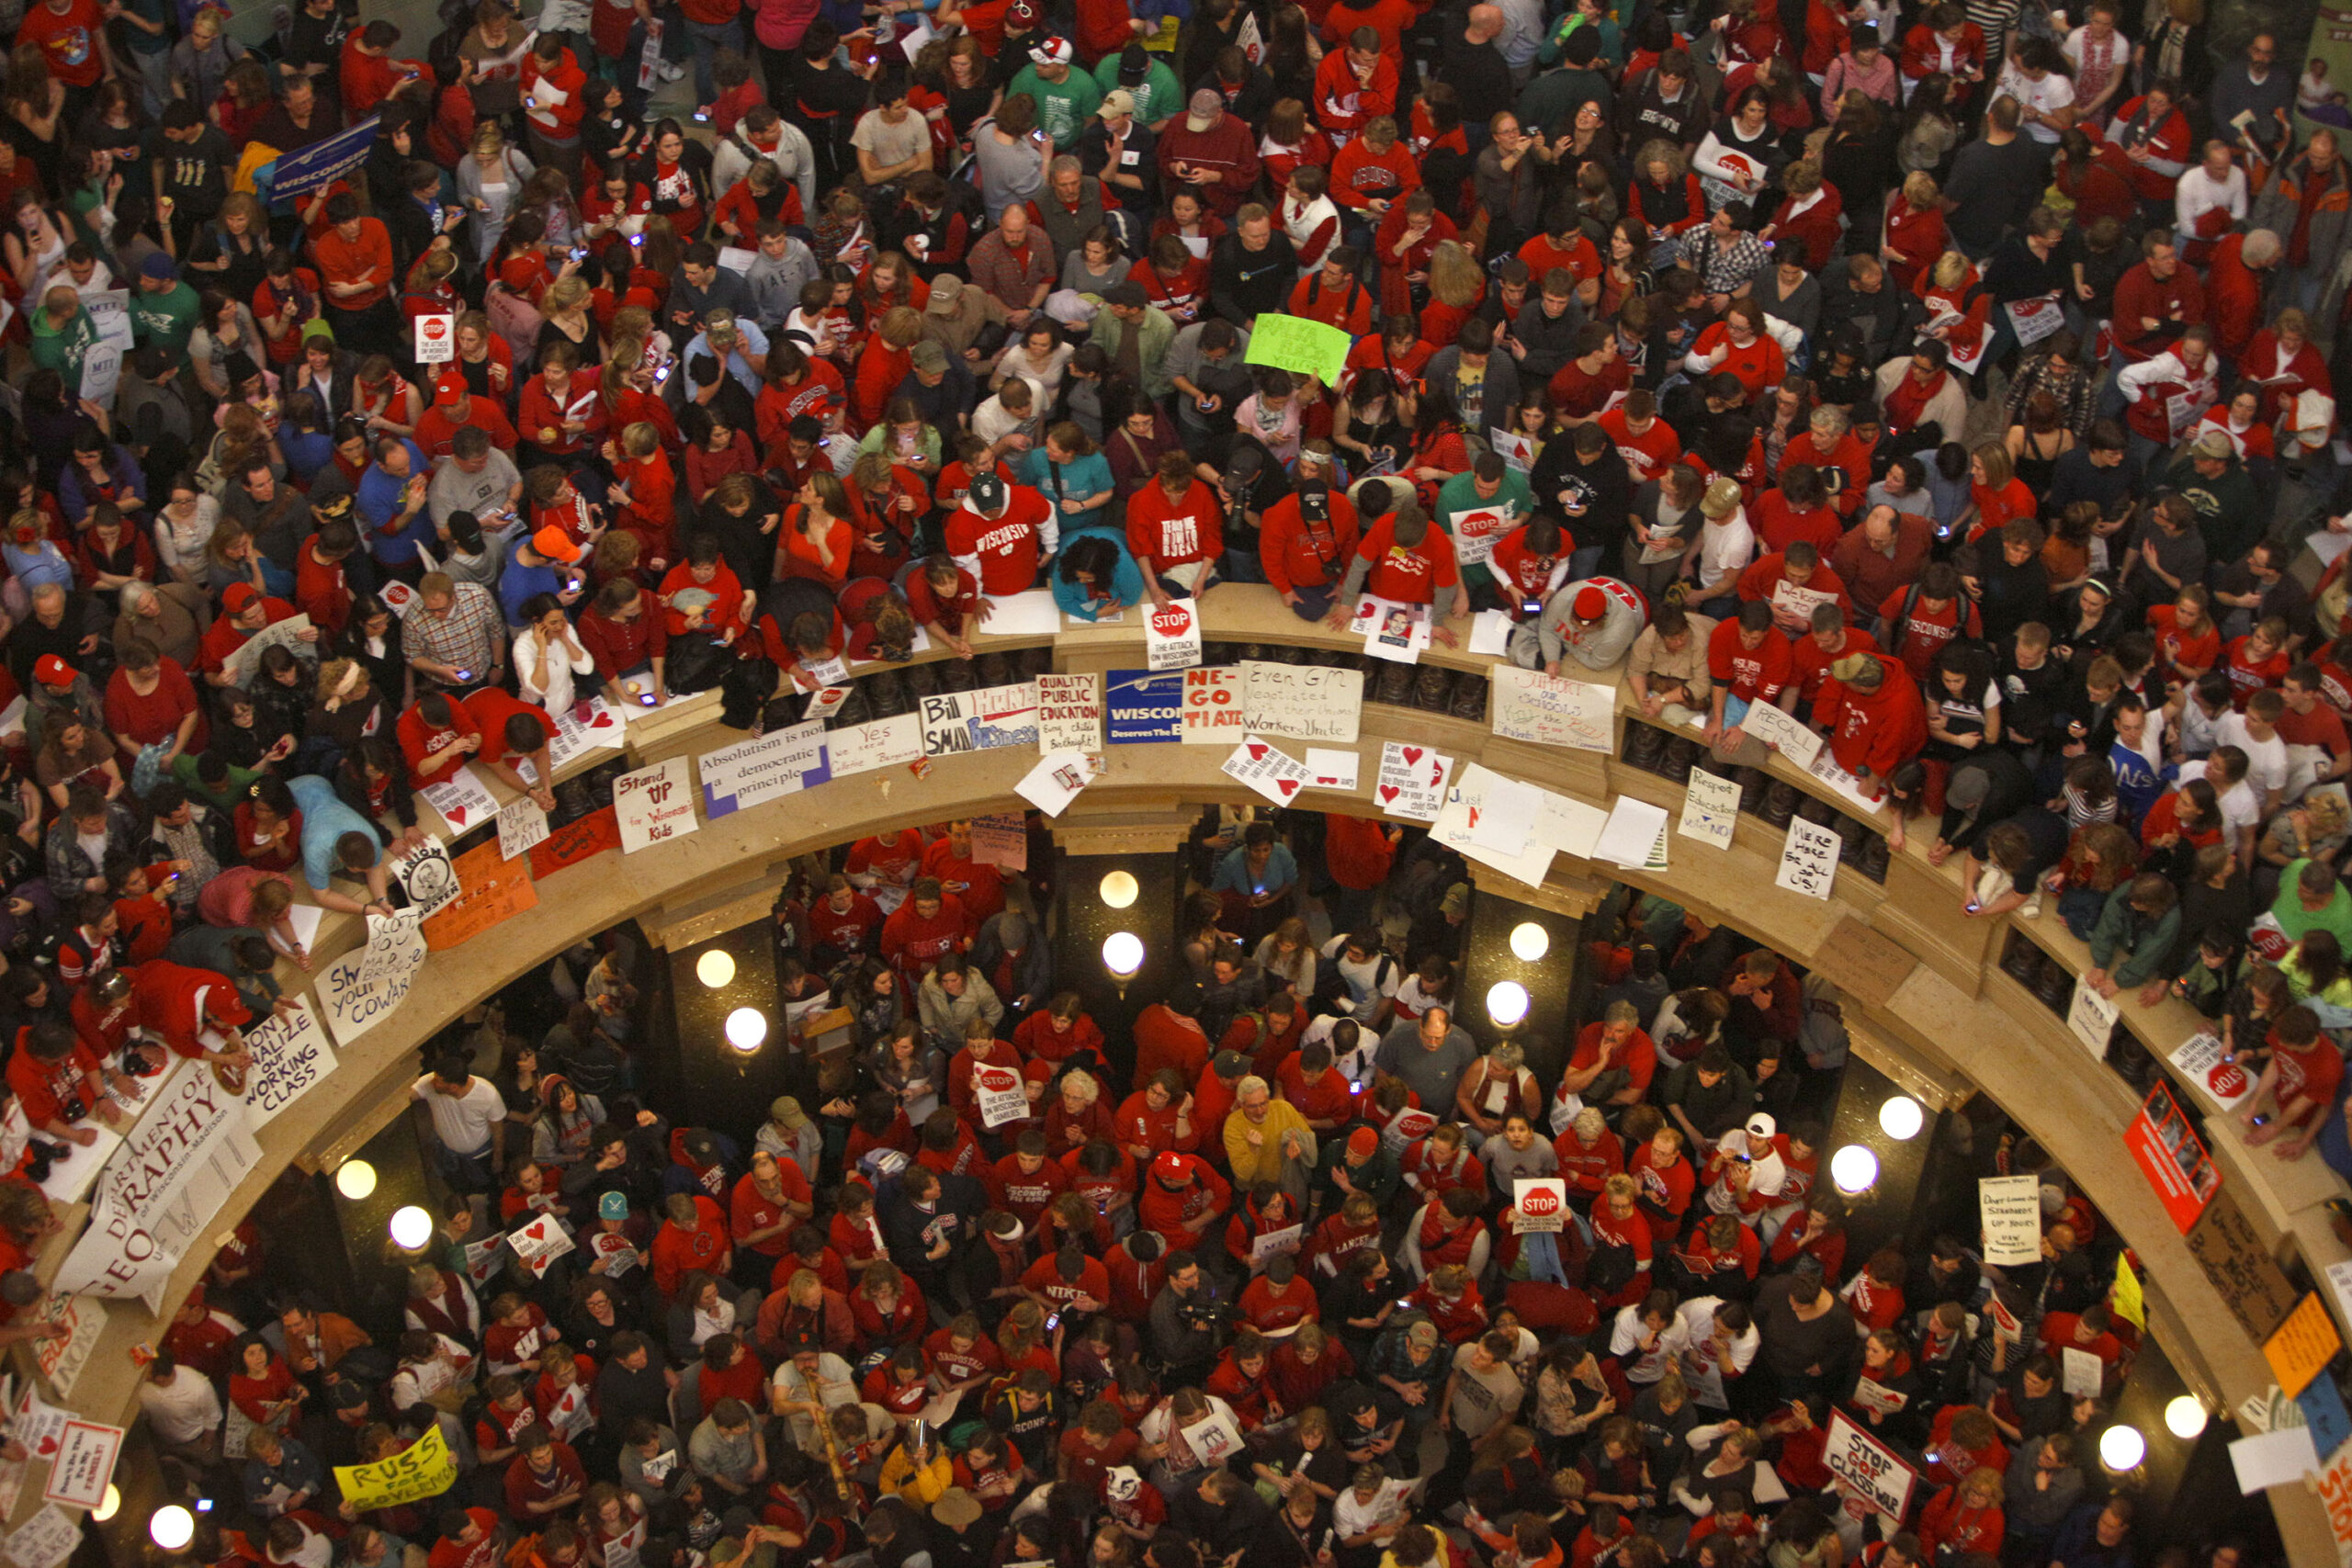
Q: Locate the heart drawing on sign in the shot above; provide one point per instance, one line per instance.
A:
(1257, 752)
(602, 721)
(457, 816)
(1387, 794)
(1412, 753)
(1288, 786)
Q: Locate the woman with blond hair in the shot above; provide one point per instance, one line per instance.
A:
(491, 179)
(1457, 288)
(566, 308)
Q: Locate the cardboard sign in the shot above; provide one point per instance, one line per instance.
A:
(435, 340)
(655, 804)
(61, 1360)
(1002, 841)
(1070, 713)
(425, 874)
(1808, 859)
(291, 1057)
(1411, 783)
(1302, 702)
(495, 889)
(1540, 1203)
(1213, 707)
(521, 825)
(2301, 1348)
(1142, 708)
(1004, 716)
(84, 1464)
(1271, 772)
(1549, 711)
(1709, 809)
(881, 743)
(355, 1004)
(2173, 1158)
(2009, 1210)
(576, 842)
(1782, 732)
(1867, 1469)
(2224, 1082)
(423, 1469)
(2241, 1268)
(1172, 637)
(2092, 1018)
(1000, 1096)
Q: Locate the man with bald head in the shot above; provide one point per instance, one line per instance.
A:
(1883, 555)
(2305, 205)
(1475, 67)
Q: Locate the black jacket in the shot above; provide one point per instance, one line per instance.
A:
(1244, 285)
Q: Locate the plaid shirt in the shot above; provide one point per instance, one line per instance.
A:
(472, 636)
(1720, 271)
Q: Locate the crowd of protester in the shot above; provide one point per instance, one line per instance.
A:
(1957, 379)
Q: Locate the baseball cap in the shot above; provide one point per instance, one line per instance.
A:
(956, 1508)
(1722, 496)
(988, 490)
(1230, 1064)
(1589, 604)
(612, 1206)
(1423, 1334)
(929, 357)
(1051, 52)
(1169, 1167)
(1858, 669)
(945, 290)
(1117, 102)
(159, 266)
(1967, 788)
(448, 387)
(556, 545)
(784, 1111)
(333, 507)
(239, 596)
(51, 670)
(2214, 444)
(719, 327)
(1364, 1141)
(1760, 1125)
(1134, 64)
(1023, 14)
(1206, 110)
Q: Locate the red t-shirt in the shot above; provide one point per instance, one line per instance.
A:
(1754, 674)
(69, 41)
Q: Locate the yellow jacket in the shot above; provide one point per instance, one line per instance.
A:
(1264, 1162)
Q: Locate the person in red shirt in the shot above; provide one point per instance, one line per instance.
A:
(1647, 443)
(455, 407)
(1749, 663)
(924, 930)
(555, 99)
(701, 594)
(73, 39)
(1176, 531)
(321, 590)
(1355, 85)
(1181, 1199)
(355, 257)
(1585, 387)
(61, 1085)
(468, 1539)
(1619, 1047)
(1922, 619)
(693, 1239)
(1001, 535)
(1739, 345)
(1302, 541)
(247, 612)
(1406, 560)
(1334, 294)
(2298, 1087)
(1875, 718)
(437, 735)
(1797, 508)
(367, 73)
(1789, 582)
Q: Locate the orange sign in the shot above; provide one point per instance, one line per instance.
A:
(2302, 1345)
(489, 889)
(576, 841)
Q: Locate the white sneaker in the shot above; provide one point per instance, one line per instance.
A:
(2032, 909)
(669, 69)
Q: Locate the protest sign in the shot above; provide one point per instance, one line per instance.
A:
(654, 805)
(1293, 342)
(1867, 1468)
(1004, 716)
(241, 663)
(947, 725)
(1394, 631)
(521, 825)
(2092, 1017)
(290, 1057)
(491, 888)
(2201, 1062)
(2171, 1155)
(1808, 859)
(1171, 635)
(1302, 702)
(1411, 783)
(2300, 1349)
(356, 1005)
(1213, 710)
(1333, 769)
(433, 339)
(84, 1464)
(1270, 770)
(764, 767)
(388, 938)
(1002, 841)
(1000, 1096)
(425, 874)
(878, 743)
(1056, 781)
(1477, 531)
(1143, 707)
(1709, 809)
(1530, 705)
(1070, 713)
(1542, 1203)
(2008, 1210)
(576, 842)
(61, 1357)
(101, 373)
(1283, 1243)
(423, 1469)
(1782, 731)
(46, 1539)
(309, 169)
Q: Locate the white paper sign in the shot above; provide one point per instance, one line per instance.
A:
(880, 743)
(1477, 531)
(1172, 637)
(425, 874)
(2009, 1210)
(521, 824)
(435, 340)
(2280, 1458)
(1331, 769)
(61, 1360)
(764, 767)
(1005, 715)
(387, 947)
(655, 804)
(1530, 705)
(1867, 1469)
(1808, 859)
(84, 1464)
(1412, 781)
(463, 800)
(2081, 1372)
(1283, 1243)
(1000, 1096)
(947, 725)
(355, 1004)
(1267, 769)
(1057, 780)
(1391, 630)
(1634, 827)
(1540, 1203)
(1302, 702)
(1069, 714)
(1780, 729)
(539, 1243)
(1463, 816)
(101, 373)
(49, 1537)
(1214, 1438)
(1210, 712)
(2224, 1082)
(1709, 809)
(290, 1057)
(2092, 1017)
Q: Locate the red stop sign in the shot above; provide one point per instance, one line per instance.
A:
(1541, 1200)
(1174, 621)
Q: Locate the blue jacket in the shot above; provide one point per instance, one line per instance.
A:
(1127, 580)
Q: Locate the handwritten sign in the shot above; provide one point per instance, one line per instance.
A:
(84, 1464)
(2336, 1492)
(1294, 343)
(2241, 1268)
(1867, 1469)
(356, 1005)
(62, 1359)
(1057, 780)
(947, 725)
(425, 874)
(1001, 841)
(46, 1539)
(1172, 636)
(1283, 1243)
(388, 939)
(1269, 769)
(2009, 1208)
(880, 743)
(1070, 713)
(1302, 702)
(2301, 1348)
(1782, 732)
(576, 842)
(1005, 715)
(1808, 859)
(1411, 782)
(495, 889)
(2092, 1017)
(655, 804)
(1213, 708)
(1530, 705)
(291, 1057)
(423, 1469)
(2080, 1373)
(1709, 809)
(521, 825)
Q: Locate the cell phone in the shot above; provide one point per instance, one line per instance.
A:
(2263, 1120)
(662, 375)
(1053, 1321)
(1531, 606)
(465, 674)
(1404, 1301)
(204, 1504)
(647, 699)
(637, 239)
(1355, 1088)
(578, 253)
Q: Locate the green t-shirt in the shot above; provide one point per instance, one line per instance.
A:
(1063, 107)
(1158, 96)
(1459, 495)
(166, 320)
(2296, 920)
(233, 790)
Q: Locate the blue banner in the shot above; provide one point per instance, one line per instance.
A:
(303, 172)
(1141, 707)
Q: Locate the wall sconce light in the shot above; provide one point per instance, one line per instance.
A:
(173, 1527)
(1119, 889)
(355, 1178)
(412, 1228)
(2184, 1415)
(716, 969)
(746, 1029)
(1854, 1169)
(2120, 1449)
(1900, 1118)
(1528, 941)
(1506, 1003)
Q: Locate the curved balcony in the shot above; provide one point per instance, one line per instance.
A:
(1923, 986)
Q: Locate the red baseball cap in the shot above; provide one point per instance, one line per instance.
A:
(1169, 1167)
(239, 596)
(1364, 1141)
(51, 670)
(448, 387)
